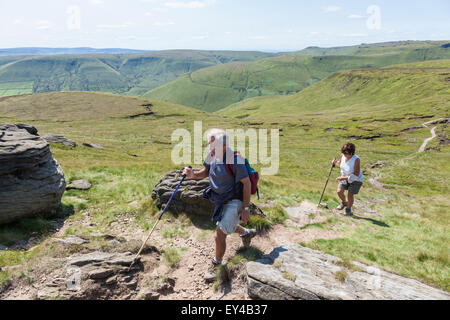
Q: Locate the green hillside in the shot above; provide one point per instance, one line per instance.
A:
(372, 48)
(129, 74)
(214, 88)
(393, 91)
(402, 227)
(382, 111)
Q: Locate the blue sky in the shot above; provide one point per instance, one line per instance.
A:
(272, 25)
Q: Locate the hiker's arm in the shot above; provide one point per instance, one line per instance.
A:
(195, 175)
(245, 214)
(337, 163)
(357, 167)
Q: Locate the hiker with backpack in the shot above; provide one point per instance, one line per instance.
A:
(351, 178)
(230, 190)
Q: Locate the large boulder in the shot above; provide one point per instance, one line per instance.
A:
(31, 181)
(189, 197)
(295, 272)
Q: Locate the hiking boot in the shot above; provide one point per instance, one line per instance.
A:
(247, 238)
(211, 273)
(348, 212)
(342, 206)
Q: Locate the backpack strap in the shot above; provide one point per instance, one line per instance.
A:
(230, 166)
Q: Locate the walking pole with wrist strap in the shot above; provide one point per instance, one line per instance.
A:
(162, 213)
(329, 175)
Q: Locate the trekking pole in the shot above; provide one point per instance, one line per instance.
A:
(329, 175)
(162, 213)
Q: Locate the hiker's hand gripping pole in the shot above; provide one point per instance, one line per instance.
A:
(162, 213)
(329, 175)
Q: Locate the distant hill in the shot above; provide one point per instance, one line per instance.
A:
(416, 89)
(216, 87)
(129, 74)
(206, 80)
(32, 51)
(373, 48)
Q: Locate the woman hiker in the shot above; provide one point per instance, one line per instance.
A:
(351, 178)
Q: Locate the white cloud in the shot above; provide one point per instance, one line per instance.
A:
(128, 38)
(158, 10)
(43, 24)
(331, 9)
(17, 21)
(199, 37)
(97, 2)
(355, 35)
(258, 37)
(189, 4)
(163, 23)
(115, 26)
(355, 16)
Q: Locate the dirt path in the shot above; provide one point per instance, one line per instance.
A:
(374, 180)
(425, 142)
(194, 244)
(433, 132)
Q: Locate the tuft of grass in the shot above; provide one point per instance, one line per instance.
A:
(176, 231)
(341, 275)
(289, 276)
(259, 223)
(222, 276)
(276, 214)
(277, 264)
(5, 277)
(313, 225)
(225, 272)
(172, 257)
(244, 254)
(346, 263)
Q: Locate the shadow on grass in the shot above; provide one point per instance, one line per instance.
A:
(27, 232)
(376, 222)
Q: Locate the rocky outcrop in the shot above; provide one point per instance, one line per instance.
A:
(93, 145)
(295, 272)
(59, 139)
(81, 184)
(122, 258)
(189, 197)
(31, 181)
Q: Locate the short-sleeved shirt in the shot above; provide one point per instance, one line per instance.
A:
(219, 179)
(348, 168)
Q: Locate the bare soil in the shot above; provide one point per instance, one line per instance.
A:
(48, 275)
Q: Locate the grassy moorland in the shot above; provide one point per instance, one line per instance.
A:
(403, 228)
(372, 48)
(382, 111)
(130, 74)
(216, 87)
